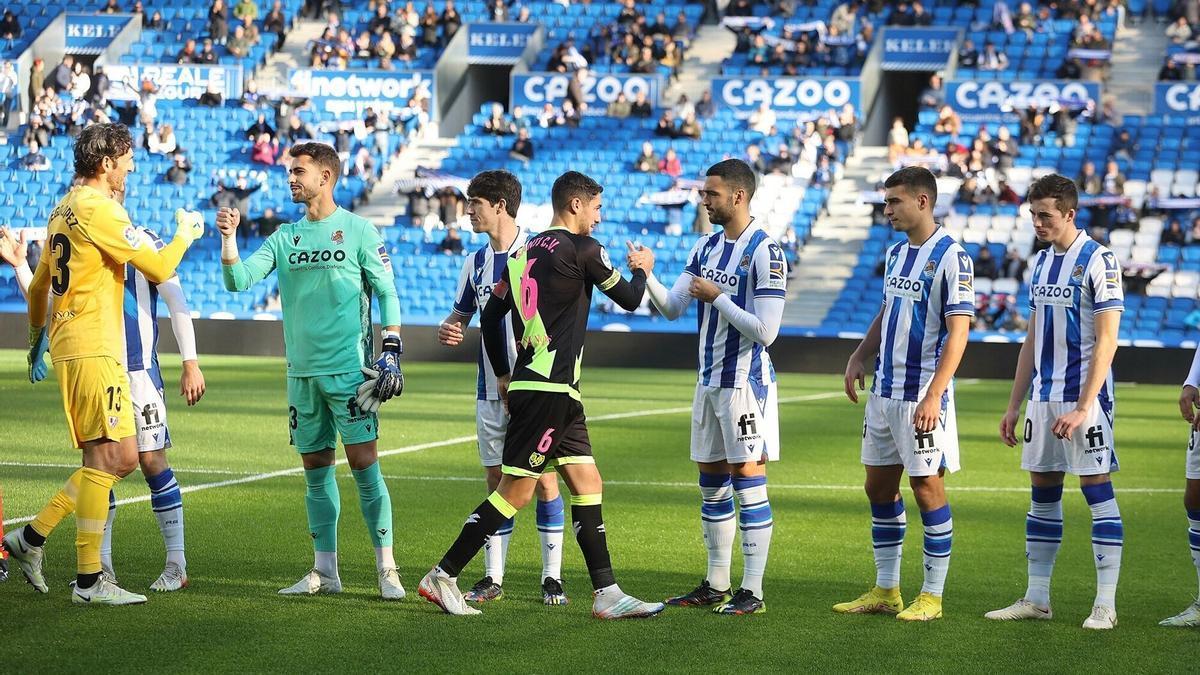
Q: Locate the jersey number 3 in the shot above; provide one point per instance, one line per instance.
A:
(60, 252)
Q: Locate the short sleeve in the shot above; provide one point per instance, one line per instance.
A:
(770, 271)
(958, 275)
(598, 267)
(464, 293)
(110, 229)
(1104, 276)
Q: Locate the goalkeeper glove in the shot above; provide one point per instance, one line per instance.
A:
(189, 225)
(384, 379)
(39, 343)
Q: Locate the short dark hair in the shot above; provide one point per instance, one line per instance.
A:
(1059, 188)
(98, 141)
(496, 185)
(737, 173)
(322, 154)
(570, 185)
(917, 179)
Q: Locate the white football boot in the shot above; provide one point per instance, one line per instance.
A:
(29, 559)
(312, 583)
(105, 592)
(1102, 618)
(1019, 611)
(438, 588)
(389, 584)
(1188, 618)
(173, 578)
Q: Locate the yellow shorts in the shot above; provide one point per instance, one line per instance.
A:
(95, 394)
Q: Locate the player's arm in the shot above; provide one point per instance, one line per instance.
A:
(110, 229)
(191, 383)
(237, 274)
(1020, 388)
(770, 289)
(450, 331)
(673, 302)
(1189, 397)
(385, 380)
(495, 343)
(856, 367)
(958, 283)
(15, 252)
(599, 270)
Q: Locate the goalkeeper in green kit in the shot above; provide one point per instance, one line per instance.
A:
(329, 264)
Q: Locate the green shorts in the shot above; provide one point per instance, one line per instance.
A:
(322, 407)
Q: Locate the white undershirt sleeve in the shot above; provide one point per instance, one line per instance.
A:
(181, 317)
(671, 303)
(24, 278)
(761, 325)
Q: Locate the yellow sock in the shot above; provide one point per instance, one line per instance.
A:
(61, 505)
(91, 513)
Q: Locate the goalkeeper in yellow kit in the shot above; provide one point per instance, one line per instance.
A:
(89, 240)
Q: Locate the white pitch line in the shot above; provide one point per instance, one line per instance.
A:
(49, 465)
(253, 478)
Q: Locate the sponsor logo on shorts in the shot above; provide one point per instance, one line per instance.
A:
(536, 459)
(748, 428)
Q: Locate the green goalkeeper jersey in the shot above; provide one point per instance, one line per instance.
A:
(328, 270)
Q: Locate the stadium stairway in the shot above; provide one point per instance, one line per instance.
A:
(711, 46)
(1137, 56)
(295, 54)
(828, 258)
(385, 204)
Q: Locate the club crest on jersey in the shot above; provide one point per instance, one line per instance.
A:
(383, 257)
(1077, 274)
(338, 238)
(930, 268)
(744, 264)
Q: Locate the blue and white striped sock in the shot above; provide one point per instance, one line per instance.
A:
(1108, 538)
(939, 533)
(106, 542)
(550, 522)
(717, 525)
(888, 524)
(1194, 539)
(167, 502)
(756, 522)
(1043, 536)
(496, 552)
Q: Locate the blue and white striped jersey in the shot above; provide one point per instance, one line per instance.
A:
(480, 272)
(922, 285)
(1066, 291)
(751, 267)
(141, 315)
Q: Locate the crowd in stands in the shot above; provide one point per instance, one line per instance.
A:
(1183, 34)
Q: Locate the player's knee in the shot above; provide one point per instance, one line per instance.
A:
(152, 463)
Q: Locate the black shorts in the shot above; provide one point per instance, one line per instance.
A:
(545, 430)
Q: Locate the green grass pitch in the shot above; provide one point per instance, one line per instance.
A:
(247, 538)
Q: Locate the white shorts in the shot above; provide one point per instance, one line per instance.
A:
(889, 437)
(1193, 457)
(149, 410)
(491, 423)
(1090, 452)
(735, 425)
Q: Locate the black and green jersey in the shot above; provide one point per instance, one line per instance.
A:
(548, 285)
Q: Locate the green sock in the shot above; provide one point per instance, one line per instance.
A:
(323, 503)
(376, 504)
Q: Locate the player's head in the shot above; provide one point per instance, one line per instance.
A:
(728, 188)
(493, 197)
(314, 171)
(909, 196)
(576, 201)
(104, 152)
(1053, 201)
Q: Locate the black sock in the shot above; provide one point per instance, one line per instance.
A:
(481, 524)
(589, 532)
(32, 537)
(86, 580)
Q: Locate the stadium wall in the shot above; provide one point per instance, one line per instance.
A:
(1145, 365)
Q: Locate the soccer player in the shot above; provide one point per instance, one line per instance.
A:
(1075, 304)
(1189, 402)
(146, 393)
(493, 198)
(548, 285)
(738, 276)
(329, 263)
(919, 336)
(90, 239)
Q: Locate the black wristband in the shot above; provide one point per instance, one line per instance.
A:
(393, 344)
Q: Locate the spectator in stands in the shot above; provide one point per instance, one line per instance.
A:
(670, 165)
(148, 103)
(522, 147)
(363, 47)
(1179, 32)
(897, 140)
(763, 119)
(212, 96)
(498, 123)
(549, 117)
(759, 51)
(450, 20)
(1026, 20)
(648, 161)
(236, 197)
(452, 243)
(37, 79)
(1170, 72)
(706, 107)
(59, 79)
(756, 160)
(296, 130)
(239, 44)
(208, 54)
(450, 205)
(268, 223)
(571, 116)
(1123, 146)
(1007, 195)
(823, 175)
(992, 59)
(901, 15)
(178, 172)
(162, 141)
(497, 10)
(920, 17)
(1065, 125)
(407, 49)
(276, 22)
(968, 55)
(9, 99)
(690, 128)
(985, 264)
(154, 21)
(665, 128)
(843, 16)
(1088, 181)
(385, 49)
(1173, 234)
(1195, 236)
(1003, 149)
(645, 62)
(1013, 266)
(619, 108)
(265, 150)
(641, 106)
(1032, 121)
(36, 131)
(34, 160)
(111, 7)
(1113, 180)
(948, 122)
(781, 164)
(364, 167)
(10, 28)
(429, 26)
(934, 95)
(218, 21)
(260, 127)
(246, 9)
(681, 31)
(188, 55)
(575, 89)
(736, 8)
